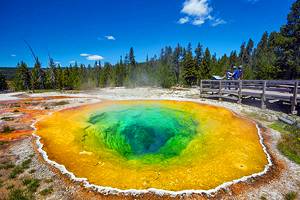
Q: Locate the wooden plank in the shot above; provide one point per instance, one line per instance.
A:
(263, 95)
(220, 91)
(294, 99)
(201, 87)
(240, 92)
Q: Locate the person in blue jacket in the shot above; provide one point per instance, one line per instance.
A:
(236, 73)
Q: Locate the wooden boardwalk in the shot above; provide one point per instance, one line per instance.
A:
(285, 91)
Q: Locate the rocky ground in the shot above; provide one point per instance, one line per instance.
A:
(24, 173)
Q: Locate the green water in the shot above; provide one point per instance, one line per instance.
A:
(143, 131)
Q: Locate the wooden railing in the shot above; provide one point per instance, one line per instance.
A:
(273, 90)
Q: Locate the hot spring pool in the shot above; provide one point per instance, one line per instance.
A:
(168, 145)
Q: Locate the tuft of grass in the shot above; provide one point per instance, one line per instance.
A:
(15, 105)
(10, 187)
(60, 103)
(2, 143)
(17, 194)
(263, 198)
(19, 169)
(290, 196)
(49, 180)
(289, 145)
(7, 118)
(6, 165)
(16, 111)
(281, 127)
(7, 129)
(16, 171)
(46, 191)
(32, 184)
(25, 164)
(1, 183)
(32, 171)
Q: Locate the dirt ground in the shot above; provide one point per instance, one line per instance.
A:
(23, 171)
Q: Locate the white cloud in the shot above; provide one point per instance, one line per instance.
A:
(198, 12)
(94, 57)
(84, 54)
(57, 62)
(198, 8)
(72, 62)
(217, 22)
(13, 55)
(110, 37)
(184, 20)
(198, 21)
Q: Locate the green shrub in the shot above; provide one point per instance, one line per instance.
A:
(6, 165)
(60, 103)
(289, 145)
(9, 187)
(32, 184)
(290, 196)
(17, 194)
(25, 164)
(16, 171)
(7, 129)
(46, 191)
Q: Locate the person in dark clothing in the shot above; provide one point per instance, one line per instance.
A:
(241, 72)
(228, 77)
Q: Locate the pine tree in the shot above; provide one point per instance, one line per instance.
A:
(223, 65)
(242, 54)
(3, 83)
(198, 58)
(205, 68)
(289, 44)
(176, 62)
(51, 79)
(38, 76)
(22, 80)
(60, 77)
(264, 60)
(233, 59)
(132, 68)
(189, 72)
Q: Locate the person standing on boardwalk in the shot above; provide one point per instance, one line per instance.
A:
(236, 73)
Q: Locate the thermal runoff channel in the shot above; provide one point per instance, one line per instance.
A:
(168, 145)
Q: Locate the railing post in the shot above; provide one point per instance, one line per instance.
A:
(220, 90)
(263, 95)
(240, 92)
(201, 88)
(294, 99)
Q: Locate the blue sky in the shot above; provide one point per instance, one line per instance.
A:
(88, 30)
